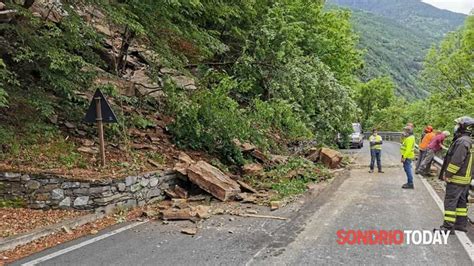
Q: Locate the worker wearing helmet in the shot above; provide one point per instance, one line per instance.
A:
(425, 141)
(458, 171)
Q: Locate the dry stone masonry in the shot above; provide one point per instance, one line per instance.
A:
(44, 191)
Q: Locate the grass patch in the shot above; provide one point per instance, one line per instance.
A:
(12, 203)
(156, 156)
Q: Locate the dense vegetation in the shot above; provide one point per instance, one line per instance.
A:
(449, 74)
(269, 72)
(396, 36)
(272, 72)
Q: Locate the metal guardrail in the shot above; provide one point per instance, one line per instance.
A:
(386, 135)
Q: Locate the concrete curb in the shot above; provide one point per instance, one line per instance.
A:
(22, 239)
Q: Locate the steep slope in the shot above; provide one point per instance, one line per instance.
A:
(396, 36)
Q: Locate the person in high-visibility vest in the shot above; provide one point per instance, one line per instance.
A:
(375, 151)
(458, 171)
(407, 151)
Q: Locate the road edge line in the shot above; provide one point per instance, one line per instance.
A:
(82, 244)
(462, 237)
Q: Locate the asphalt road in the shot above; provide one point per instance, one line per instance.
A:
(357, 201)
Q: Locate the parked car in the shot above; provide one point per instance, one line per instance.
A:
(354, 140)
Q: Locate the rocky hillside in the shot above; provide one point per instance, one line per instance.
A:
(200, 77)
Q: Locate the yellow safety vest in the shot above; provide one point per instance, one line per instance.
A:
(377, 138)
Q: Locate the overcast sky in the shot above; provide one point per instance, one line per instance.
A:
(460, 6)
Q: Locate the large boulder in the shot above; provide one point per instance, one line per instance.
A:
(330, 158)
(213, 180)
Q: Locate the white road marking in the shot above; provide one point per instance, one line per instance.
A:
(82, 244)
(463, 238)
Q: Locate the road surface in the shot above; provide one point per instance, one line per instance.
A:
(357, 201)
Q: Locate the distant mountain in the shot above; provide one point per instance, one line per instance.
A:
(396, 35)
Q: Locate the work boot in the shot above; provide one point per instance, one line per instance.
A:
(371, 171)
(380, 171)
(408, 186)
(444, 229)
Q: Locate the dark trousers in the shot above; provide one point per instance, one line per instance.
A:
(425, 165)
(421, 156)
(375, 155)
(455, 207)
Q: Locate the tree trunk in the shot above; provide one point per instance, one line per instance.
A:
(127, 39)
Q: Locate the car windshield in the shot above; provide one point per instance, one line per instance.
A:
(356, 128)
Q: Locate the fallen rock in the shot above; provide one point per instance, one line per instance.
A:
(179, 203)
(246, 198)
(251, 211)
(184, 162)
(69, 125)
(278, 159)
(89, 150)
(189, 231)
(246, 186)
(313, 155)
(246, 147)
(178, 214)
(169, 71)
(252, 169)
(212, 180)
(143, 146)
(330, 158)
(153, 163)
(149, 213)
(203, 212)
(87, 143)
(50, 9)
(218, 211)
(171, 194)
(274, 205)
(67, 230)
(184, 82)
(180, 192)
(260, 156)
(183, 157)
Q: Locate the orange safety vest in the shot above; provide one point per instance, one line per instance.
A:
(426, 140)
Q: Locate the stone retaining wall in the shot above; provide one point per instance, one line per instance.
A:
(43, 191)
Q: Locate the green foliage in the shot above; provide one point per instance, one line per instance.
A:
(281, 116)
(373, 96)
(324, 103)
(210, 120)
(157, 157)
(396, 36)
(292, 177)
(142, 122)
(448, 71)
(6, 78)
(12, 203)
(449, 68)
